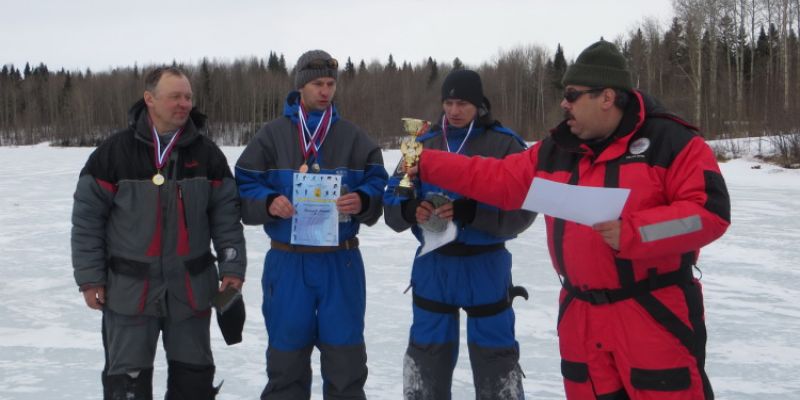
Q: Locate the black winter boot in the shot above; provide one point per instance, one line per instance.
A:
(496, 373)
(428, 371)
(130, 386)
(190, 382)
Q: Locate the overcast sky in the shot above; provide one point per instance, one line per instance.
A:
(102, 34)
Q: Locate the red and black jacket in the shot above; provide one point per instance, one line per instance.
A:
(678, 202)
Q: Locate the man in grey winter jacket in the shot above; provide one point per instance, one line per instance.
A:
(148, 203)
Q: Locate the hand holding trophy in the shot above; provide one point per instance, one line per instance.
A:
(411, 150)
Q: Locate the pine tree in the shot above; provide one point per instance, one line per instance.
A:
(273, 64)
(433, 72)
(559, 67)
(349, 69)
(41, 71)
(457, 64)
(205, 99)
(282, 64)
(390, 65)
(64, 96)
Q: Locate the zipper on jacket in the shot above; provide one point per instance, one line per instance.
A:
(183, 207)
(182, 245)
(170, 174)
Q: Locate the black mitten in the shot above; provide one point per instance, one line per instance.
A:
(464, 210)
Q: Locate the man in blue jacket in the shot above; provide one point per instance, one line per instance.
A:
(474, 271)
(313, 295)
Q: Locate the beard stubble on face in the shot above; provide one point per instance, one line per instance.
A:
(569, 119)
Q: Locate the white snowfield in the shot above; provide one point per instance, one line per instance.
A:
(50, 345)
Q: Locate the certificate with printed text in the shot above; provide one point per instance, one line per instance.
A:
(316, 220)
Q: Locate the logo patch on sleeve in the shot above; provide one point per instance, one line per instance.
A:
(229, 254)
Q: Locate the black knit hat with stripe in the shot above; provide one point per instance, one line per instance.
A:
(599, 65)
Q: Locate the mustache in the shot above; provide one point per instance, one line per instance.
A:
(568, 115)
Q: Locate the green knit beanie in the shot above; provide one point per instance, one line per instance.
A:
(599, 65)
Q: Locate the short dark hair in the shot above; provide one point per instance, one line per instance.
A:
(153, 77)
(621, 97)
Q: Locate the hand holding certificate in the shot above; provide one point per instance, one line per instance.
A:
(434, 240)
(316, 220)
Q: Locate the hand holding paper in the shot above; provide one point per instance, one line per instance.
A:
(610, 231)
(582, 204)
(434, 240)
(316, 220)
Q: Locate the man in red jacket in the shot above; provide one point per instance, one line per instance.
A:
(630, 323)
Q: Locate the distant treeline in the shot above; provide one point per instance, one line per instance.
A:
(729, 66)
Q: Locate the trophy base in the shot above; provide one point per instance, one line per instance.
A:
(407, 192)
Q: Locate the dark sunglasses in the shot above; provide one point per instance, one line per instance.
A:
(572, 96)
(330, 63)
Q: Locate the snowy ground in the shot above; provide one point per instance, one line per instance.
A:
(50, 345)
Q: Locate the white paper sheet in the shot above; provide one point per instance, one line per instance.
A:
(316, 221)
(434, 240)
(582, 204)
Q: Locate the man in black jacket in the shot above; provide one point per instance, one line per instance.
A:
(473, 271)
(147, 205)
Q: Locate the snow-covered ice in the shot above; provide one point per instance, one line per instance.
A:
(50, 346)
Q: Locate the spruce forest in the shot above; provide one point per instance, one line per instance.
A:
(731, 67)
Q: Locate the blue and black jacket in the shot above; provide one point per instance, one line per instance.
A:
(478, 224)
(266, 167)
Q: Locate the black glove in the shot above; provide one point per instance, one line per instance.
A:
(408, 208)
(464, 210)
(231, 322)
(364, 201)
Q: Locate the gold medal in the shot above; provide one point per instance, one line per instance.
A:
(303, 169)
(158, 179)
(315, 167)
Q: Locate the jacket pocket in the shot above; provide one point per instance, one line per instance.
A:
(574, 371)
(128, 285)
(198, 265)
(131, 268)
(664, 380)
(200, 281)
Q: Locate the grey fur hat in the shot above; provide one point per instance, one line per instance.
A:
(314, 64)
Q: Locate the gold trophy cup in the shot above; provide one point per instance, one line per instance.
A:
(411, 150)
